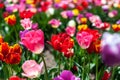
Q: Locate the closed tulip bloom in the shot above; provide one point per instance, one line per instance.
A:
(71, 23)
(33, 40)
(26, 14)
(106, 75)
(11, 20)
(32, 69)
(116, 27)
(54, 23)
(26, 23)
(70, 30)
(110, 49)
(86, 37)
(112, 13)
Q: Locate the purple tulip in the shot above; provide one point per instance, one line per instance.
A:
(66, 75)
(110, 49)
(105, 8)
(88, 14)
(118, 22)
(70, 14)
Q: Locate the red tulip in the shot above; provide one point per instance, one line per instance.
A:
(85, 4)
(16, 78)
(26, 14)
(106, 76)
(63, 43)
(1, 5)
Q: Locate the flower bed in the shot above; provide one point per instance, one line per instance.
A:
(82, 35)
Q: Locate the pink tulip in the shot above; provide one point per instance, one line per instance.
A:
(70, 30)
(32, 69)
(64, 14)
(95, 18)
(26, 23)
(55, 23)
(84, 39)
(33, 40)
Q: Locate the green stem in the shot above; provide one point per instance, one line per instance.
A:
(70, 61)
(97, 67)
(16, 34)
(82, 73)
(83, 69)
(46, 74)
(113, 73)
(59, 64)
(88, 66)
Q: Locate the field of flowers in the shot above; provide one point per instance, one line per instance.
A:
(82, 35)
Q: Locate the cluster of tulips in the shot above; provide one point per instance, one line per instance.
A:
(82, 35)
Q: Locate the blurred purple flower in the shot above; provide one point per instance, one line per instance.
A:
(66, 75)
(110, 49)
(118, 22)
(88, 14)
(105, 8)
(56, 6)
(69, 14)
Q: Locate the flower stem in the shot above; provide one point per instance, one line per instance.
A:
(113, 73)
(70, 61)
(16, 34)
(83, 69)
(46, 74)
(59, 64)
(88, 66)
(97, 67)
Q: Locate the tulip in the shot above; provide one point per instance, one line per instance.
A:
(106, 75)
(10, 54)
(95, 18)
(26, 23)
(66, 75)
(11, 20)
(55, 23)
(70, 30)
(33, 40)
(64, 14)
(32, 69)
(63, 43)
(71, 23)
(116, 27)
(50, 12)
(16, 78)
(112, 13)
(86, 37)
(82, 27)
(118, 22)
(75, 12)
(26, 14)
(110, 49)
